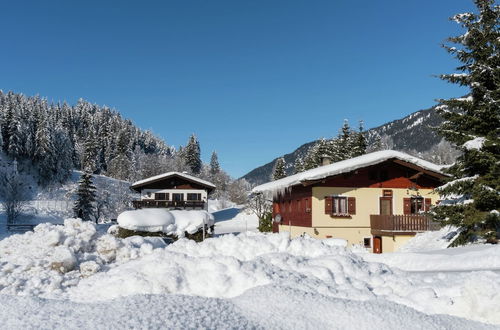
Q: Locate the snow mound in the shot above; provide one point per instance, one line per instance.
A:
(230, 266)
(474, 144)
(52, 258)
(260, 308)
(431, 240)
(175, 222)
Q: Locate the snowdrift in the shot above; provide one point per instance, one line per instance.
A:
(253, 274)
(176, 222)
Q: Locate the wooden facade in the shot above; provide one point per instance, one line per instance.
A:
(172, 190)
(295, 204)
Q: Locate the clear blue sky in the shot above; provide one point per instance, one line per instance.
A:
(252, 79)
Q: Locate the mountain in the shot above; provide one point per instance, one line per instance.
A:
(412, 134)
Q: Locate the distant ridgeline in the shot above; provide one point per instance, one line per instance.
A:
(58, 137)
(413, 134)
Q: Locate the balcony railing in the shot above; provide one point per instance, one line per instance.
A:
(138, 204)
(410, 223)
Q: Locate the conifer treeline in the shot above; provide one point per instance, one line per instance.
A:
(58, 137)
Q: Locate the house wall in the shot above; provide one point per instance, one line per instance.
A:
(393, 243)
(353, 236)
(367, 203)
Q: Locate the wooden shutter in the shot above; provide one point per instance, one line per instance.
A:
(328, 204)
(351, 205)
(406, 205)
(427, 203)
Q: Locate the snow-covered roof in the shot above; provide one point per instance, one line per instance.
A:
(346, 166)
(170, 174)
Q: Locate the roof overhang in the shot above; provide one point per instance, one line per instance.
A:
(139, 184)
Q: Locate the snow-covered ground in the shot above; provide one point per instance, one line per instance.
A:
(235, 219)
(71, 276)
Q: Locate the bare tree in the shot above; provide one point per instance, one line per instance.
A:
(260, 204)
(13, 194)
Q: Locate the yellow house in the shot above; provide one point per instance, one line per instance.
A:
(377, 200)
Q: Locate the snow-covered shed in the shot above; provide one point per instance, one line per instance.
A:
(377, 200)
(173, 190)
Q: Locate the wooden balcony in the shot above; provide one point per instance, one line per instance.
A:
(407, 224)
(139, 204)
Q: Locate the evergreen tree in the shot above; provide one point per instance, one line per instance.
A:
(359, 142)
(279, 171)
(15, 145)
(214, 164)
(84, 204)
(193, 155)
(473, 125)
(298, 166)
(120, 166)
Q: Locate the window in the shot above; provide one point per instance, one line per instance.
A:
(307, 206)
(417, 205)
(367, 242)
(339, 205)
(161, 196)
(387, 193)
(177, 197)
(298, 205)
(193, 197)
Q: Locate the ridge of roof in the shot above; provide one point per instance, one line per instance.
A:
(345, 166)
(168, 174)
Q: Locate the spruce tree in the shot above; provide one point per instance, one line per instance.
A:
(359, 142)
(85, 194)
(193, 155)
(279, 171)
(472, 124)
(214, 164)
(298, 165)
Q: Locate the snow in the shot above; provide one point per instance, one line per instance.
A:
(70, 274)
(345, 166)
(431, 240)
(169, 174)
(175, 222)
(235, 219)
(474, 144)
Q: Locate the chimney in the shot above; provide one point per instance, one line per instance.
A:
(326, 160)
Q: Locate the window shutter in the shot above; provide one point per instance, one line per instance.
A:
(427, 203)
(328, 205)
(407, 205)
(351, 205)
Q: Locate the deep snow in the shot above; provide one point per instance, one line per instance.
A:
(252, 279)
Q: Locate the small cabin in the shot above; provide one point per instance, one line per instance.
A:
(173, 190)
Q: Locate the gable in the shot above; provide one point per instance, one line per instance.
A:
(171, 182)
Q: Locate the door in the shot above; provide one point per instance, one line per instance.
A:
(385, 205)
(377, 244)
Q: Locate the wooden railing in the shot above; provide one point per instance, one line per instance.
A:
(168, 204)
(401, 223)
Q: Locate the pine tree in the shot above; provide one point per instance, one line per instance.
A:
(214, 164)
(193, 155)
(84, 205)
(473, 124)
(279, 171)
(298, 165)
(359, 142)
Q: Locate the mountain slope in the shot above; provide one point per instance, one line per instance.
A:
(413, 134)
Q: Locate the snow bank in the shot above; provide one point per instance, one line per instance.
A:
(467, 258)
(345, 166)
(175, 222)
(230, 266)
(253, 275)
(52, 258)
(431, 240)
(259, 308)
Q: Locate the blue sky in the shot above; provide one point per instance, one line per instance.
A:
(252, 79)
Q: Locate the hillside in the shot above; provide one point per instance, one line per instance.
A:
(413, 134)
